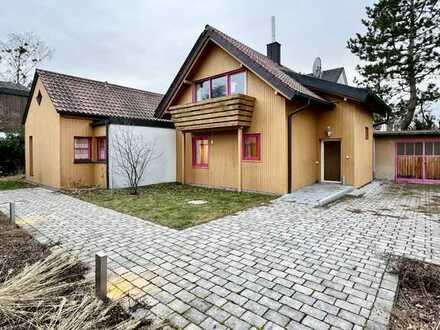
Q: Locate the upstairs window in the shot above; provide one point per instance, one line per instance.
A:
(200, 151)
(367, 133)
(218, 86)
(252, 146)
(203, 90)
(236, 83)
(82, 149)
(101, 149)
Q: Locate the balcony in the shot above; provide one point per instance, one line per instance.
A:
(219, 113)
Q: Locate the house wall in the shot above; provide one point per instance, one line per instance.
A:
(12, 108)
(363, 147)
(305, 147)
(76, 174)
(43, 124)
(269, 119)
(162, 168)
(347, 122)
(384, 158)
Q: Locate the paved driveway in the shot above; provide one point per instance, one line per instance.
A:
(284, 265)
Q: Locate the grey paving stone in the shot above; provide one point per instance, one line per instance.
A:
(194, 316)
(253, 319)
(276, 318)
(255, 308)
(291, 313)
(314, 323)
(218, 314)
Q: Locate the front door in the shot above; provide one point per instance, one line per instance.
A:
(331, 161)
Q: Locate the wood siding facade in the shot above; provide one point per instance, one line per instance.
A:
(52, 147)
(347, 122)
(11, 111)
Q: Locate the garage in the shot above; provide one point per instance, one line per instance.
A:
(407, 156)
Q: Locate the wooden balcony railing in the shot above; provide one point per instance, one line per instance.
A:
(223, 112)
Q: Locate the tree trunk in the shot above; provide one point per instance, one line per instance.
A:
(412, 102)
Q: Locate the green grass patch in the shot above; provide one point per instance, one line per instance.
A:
(167, 204)
(14, 184)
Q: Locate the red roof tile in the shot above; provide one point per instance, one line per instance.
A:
(75, 95)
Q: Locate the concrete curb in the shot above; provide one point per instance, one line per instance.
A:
(334, 197)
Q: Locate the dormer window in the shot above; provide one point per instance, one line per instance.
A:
(221, 85)
(39, 97)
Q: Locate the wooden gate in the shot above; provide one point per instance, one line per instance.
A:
(418, 161)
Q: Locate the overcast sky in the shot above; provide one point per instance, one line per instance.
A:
(142, 44)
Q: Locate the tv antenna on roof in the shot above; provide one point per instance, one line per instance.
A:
(317, 67)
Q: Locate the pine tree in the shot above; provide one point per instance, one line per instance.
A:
(400, 55)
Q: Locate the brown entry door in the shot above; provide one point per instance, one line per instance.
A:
(332, 160)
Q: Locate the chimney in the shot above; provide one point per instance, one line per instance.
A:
(274, 48)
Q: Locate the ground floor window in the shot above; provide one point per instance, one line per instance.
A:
(101, 149)
(82, 149)
(200, 151)
(252, 146)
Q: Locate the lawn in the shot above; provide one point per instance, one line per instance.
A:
(167, 204)
(14, 184)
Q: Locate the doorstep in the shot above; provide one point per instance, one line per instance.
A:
(318, 194)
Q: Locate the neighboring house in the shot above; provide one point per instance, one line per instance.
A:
(13, 99)
(335, 75)
(408, 156)
(69, 122)
(246, 122)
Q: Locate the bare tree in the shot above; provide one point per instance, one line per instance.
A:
(132, 156)
(20, 54)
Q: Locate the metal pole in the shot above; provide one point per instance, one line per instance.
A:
(101, 275)
(12, 213)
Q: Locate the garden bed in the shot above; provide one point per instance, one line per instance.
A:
(175, 205)
(418, 301)
(44, 290)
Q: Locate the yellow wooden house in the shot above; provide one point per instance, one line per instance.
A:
(66, 127)
(244, 121)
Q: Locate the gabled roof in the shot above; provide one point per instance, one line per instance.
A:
(11, 88)
(260, 64)
(331, 74)
(79, 96)
(284, 80)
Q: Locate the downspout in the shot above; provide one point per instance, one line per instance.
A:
(107, 178)
(289, 144)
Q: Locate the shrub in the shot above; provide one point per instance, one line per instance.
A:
(12, 153)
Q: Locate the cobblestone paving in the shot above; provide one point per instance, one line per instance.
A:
(281, 266)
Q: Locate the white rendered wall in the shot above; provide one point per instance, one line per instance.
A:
(162, 169)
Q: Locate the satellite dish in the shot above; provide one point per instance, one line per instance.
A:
(317, 68)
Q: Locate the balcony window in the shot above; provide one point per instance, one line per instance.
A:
(202, 90)
(218, 88)
(222, 85)
(236, 83)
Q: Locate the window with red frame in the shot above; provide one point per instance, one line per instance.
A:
(82, 149)
(252, 146)
(221, 85)
(200, 151)
(101, 151)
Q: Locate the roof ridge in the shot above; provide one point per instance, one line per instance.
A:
(97, 81)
